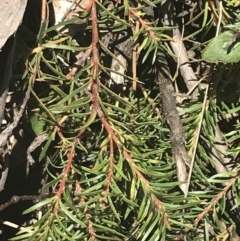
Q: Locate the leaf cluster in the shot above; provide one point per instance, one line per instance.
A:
(111, 174)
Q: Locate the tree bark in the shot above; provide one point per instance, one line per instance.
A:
(11, 17)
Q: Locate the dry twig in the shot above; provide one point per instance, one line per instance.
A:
(179, 152)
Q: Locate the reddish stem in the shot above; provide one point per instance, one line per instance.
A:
(144, 24)
(157, 202)
(208, 208)
(63, 181)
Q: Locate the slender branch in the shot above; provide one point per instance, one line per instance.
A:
(196, 138)
(4, 175)
(113, 138)
(33, 146)
(96, 106)
(111, 166)
(95, 44)
(8, 132)
(16, 199)
(180, 156)
(144, 24)
(91, 230)
(186, 70)
(179, 49)
(143, 180)
(94, 87)
(65, 173)
(209, 207)
(134, 57)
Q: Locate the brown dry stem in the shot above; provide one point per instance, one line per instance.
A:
(179, 152)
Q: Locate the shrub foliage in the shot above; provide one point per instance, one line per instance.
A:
(107, 90)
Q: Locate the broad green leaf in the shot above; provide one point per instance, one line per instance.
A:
(38, 124)
(223, 48)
